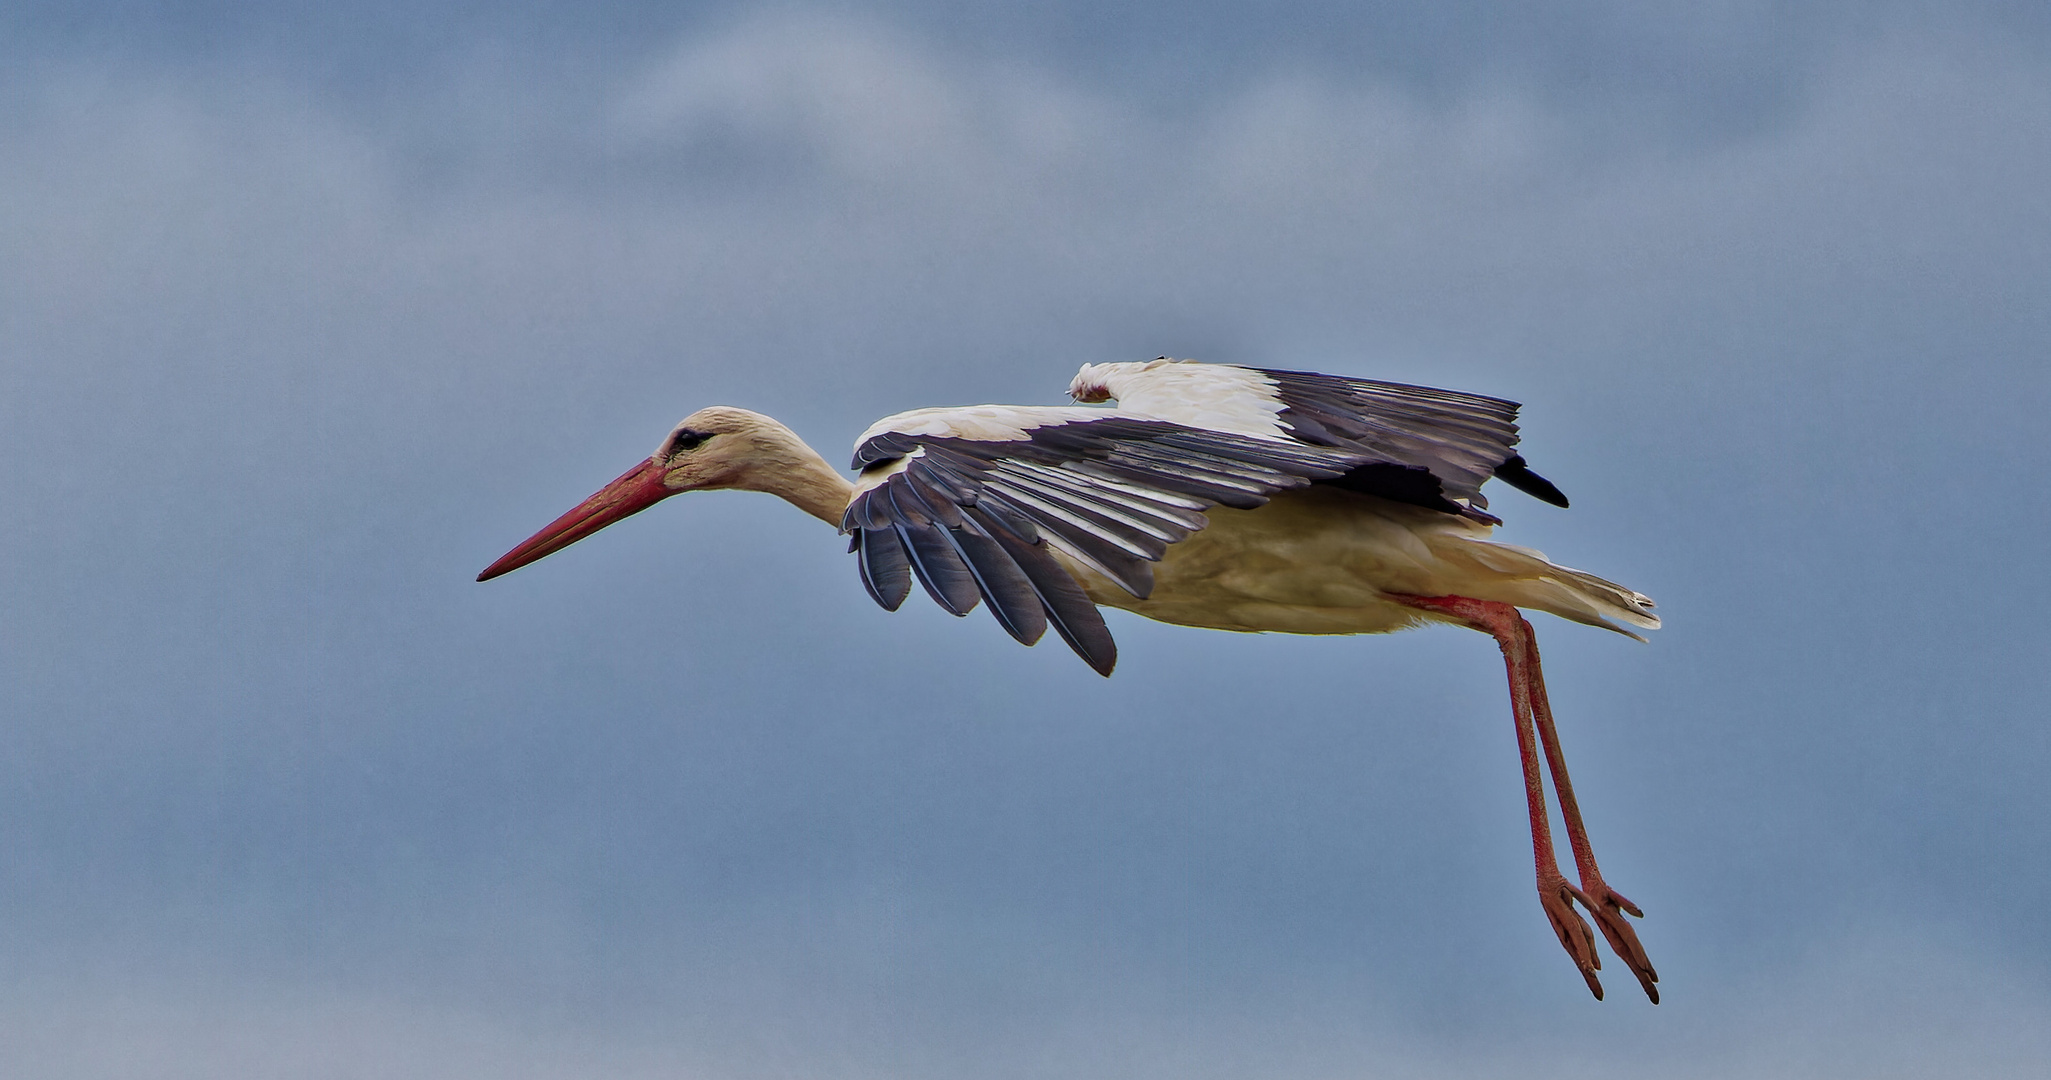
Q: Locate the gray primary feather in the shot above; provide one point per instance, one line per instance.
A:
(1416, 437)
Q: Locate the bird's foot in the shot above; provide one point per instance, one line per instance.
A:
(1609, 908)
(1557, 896)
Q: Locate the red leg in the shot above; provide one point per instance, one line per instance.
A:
(1554, 893)
(1606, 904)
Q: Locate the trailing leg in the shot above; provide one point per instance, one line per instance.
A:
(1555, 893)
(1606, 904)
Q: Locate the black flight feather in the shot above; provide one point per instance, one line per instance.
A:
(933, 559)
(1073, 614)
(1132, 573)
(886, 572)
(1004, 586)
(1398, 483)
(1519, 475)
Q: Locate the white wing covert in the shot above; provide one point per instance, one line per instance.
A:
(1417, 444)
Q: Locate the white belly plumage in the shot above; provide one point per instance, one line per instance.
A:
(1324, 561)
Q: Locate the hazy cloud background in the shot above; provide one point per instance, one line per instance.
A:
(307, 315)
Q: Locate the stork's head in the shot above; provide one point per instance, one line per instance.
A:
(710, 449)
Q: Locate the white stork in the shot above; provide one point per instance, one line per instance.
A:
(1217, 496)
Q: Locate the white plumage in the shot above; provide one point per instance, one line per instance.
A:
(1215, 397)
(1208, 495)
(1321, 561)
(986, 423)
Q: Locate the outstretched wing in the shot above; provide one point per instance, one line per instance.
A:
(973, 502)
(1415, 434)
(1418, 445)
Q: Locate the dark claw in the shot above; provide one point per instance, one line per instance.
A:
(1558, 897)
(1623, 940)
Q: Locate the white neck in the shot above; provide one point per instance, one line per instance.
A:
(811, 485)
(774, 460)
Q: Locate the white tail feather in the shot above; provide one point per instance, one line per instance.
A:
(1528, 579)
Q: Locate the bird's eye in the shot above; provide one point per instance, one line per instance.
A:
(687, 440)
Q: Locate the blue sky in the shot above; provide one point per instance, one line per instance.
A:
(307, 316)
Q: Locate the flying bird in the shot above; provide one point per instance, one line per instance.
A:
(1206, 495)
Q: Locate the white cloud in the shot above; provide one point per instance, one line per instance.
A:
(869, 102)
(801, 175)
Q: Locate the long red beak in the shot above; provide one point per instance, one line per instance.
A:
(636, 490)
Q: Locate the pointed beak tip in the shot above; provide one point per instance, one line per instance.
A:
(505, 565)
(637, 489)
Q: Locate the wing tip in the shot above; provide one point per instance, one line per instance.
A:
(1517, 474)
